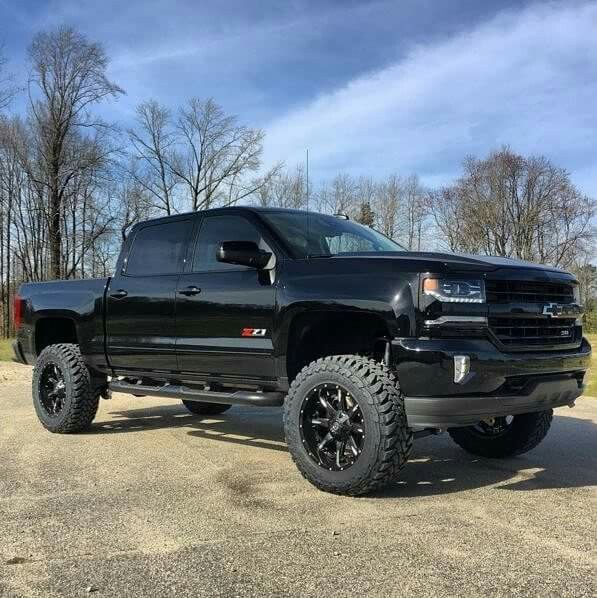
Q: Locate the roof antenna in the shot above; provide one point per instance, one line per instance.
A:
(308, 211)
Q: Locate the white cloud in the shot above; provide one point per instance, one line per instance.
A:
(526, 79)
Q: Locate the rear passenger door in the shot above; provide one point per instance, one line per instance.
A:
(218, 303)
(141, 298)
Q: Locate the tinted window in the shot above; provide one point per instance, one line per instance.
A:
(159, 249)
(216, 229)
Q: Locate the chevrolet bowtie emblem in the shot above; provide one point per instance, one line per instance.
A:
(557, 310)
(551, 309)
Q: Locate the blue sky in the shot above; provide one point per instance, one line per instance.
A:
(369, 87)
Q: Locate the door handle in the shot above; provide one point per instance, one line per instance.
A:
(190, 291)
(119, 294)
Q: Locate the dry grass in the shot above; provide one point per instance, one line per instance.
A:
(592, 381)
(6, 352)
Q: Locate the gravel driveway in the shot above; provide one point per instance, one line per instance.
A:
(155, 501)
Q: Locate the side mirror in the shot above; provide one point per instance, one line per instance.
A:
(243, 253)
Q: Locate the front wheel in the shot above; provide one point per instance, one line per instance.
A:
(501, 437)
(346, 426)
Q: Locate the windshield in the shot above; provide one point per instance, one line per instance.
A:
(318, 235)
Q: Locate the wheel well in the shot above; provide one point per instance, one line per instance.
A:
(51, 331)
(320, 334)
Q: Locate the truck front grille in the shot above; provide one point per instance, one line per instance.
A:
(531, 328)
(533, 331)
(518, 291)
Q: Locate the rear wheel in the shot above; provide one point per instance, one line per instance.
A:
(65, 396)
(345, 424)
(200, 408)
(500, 437)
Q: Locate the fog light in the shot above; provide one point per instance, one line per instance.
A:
(462, 366)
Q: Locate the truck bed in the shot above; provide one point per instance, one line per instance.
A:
(82, 302)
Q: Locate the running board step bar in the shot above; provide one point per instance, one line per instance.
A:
(175, 391)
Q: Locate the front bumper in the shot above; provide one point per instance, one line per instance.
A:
(498, 384)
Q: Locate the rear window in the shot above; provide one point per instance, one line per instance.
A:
(159, 249)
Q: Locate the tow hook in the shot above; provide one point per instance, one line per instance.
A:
(462, 367)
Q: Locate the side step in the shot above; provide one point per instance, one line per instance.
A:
(175, 391)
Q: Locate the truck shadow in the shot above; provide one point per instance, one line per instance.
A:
(250, 426)
(566, 459)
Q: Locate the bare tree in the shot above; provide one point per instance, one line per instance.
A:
(586, 273)
(339, 196)
(414, 208)
(284, 190)
(214, 155)
(7, 88)
(152, 143)
(448, 215)
(133, 199)
(518, 206)
(11, 182)
(203, 156)
(68, 76)
(87, 216)
(387, 204)
(366, 189)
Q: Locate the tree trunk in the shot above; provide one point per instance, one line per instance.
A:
(55, 234)
(3, 298)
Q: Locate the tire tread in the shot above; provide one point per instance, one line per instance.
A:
(85, 396)
(381, 390)
(529, 429)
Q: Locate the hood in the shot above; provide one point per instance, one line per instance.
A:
(457, 261)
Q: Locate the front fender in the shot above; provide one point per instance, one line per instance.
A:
(389, 296)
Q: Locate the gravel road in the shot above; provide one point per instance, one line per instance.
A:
(155, 501)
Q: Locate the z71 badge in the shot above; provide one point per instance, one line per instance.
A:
(253, 332)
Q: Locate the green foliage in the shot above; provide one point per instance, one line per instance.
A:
(366, 215)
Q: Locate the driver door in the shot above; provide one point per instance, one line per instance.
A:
(218, 304)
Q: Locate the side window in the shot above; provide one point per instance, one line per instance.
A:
(159, 249)
(216, 229)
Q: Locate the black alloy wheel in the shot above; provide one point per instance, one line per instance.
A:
(345, 424)
(504, 436)
(52, 391)
(332, 427)
(65, 393)
(495, 426)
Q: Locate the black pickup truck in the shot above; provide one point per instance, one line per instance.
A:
(364, 344)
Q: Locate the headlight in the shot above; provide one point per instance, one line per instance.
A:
(455, 290)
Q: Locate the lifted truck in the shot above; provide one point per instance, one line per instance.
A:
(364, 344)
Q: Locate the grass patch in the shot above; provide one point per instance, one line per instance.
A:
(592, 381)
(6, 352)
